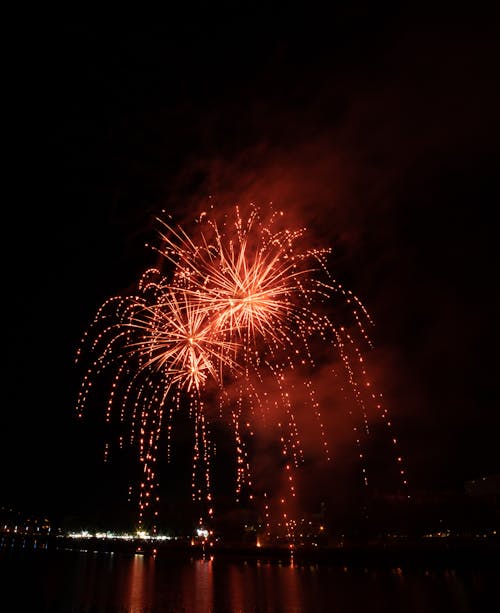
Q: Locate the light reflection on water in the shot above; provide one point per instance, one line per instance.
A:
(66, 581)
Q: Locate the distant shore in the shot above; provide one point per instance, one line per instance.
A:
(442, 552)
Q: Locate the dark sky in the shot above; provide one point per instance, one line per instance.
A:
(379, 130)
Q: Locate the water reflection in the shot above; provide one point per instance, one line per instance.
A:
(82, 582)
(141, 579)
(197, 586)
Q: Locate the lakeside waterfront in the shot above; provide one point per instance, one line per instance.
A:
(430, 553)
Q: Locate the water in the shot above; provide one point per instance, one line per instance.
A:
(68, 581)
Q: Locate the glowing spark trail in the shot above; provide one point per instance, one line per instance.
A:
(243, 313)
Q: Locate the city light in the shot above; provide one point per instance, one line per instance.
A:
(139, 535)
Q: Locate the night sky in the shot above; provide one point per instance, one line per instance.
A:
(379, 132)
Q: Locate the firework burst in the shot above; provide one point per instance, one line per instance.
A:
(243, 310)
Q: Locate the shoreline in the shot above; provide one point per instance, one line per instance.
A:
(409, 553)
